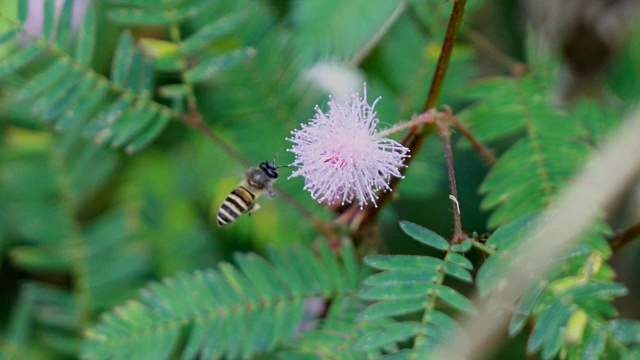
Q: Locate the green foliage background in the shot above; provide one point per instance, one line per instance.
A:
(108, 247)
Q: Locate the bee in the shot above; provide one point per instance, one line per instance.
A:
(257, 181)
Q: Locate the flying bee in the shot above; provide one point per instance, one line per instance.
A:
(257, 181)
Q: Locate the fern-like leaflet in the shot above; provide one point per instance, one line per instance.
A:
(50, 238)
(572, 304)
(63, 88)
(528, 175)
(230, 311)
(415, 285)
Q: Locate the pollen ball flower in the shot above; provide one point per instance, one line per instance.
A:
(340, 155)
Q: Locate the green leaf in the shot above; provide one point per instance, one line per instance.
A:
(352, 265)
(549, 149)
(71, 97)
(9, 34)
(458, 272)
(149, 134)
(124, 131)
(19, 59)
(594, 289)
(463, 247)
(56, 95)
(332, 267)
(389, 308)
(211, 32)
(215, 65)
(548, 325)
(455, 299)
(424, 235)
(63, 30)
(85, 43)
(625, 331)
(23, 11)
(459, 260)
(399, 262)
(49, 19)
(398, 291)
(443, 321)
(108, 116)
(45, 80)
(505, 238)
(225, 309)
(84, 107)
(403, 276)
(594, 346)
(381, 338)
(123, 57)
(321, 26)
(41, 259)
(524, 308)
(152, 14)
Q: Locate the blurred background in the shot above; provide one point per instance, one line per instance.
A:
(83, 227)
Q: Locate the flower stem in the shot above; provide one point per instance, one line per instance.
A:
(424, 118)
(445, 133)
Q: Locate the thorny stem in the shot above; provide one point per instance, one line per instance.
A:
(418, 134)
(424, 118)
(445, 133)
(445, 55)
(486, 154)
(625, 237)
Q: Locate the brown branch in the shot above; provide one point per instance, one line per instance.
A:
(445, 133)
(625, 237)
(445, 55)
(418, 134)
(482, 150)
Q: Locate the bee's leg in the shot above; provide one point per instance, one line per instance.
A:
(254, 207)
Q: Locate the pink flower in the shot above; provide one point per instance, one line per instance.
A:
(340, 155)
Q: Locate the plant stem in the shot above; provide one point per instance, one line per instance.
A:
(445, 55)
(479, 147)
(417, 135)
(445, 133)
(424, 118)
(625, 237)
(482, 247)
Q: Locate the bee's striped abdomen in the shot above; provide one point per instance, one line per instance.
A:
(238, 202)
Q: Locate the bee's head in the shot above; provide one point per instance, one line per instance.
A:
(269, 169)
